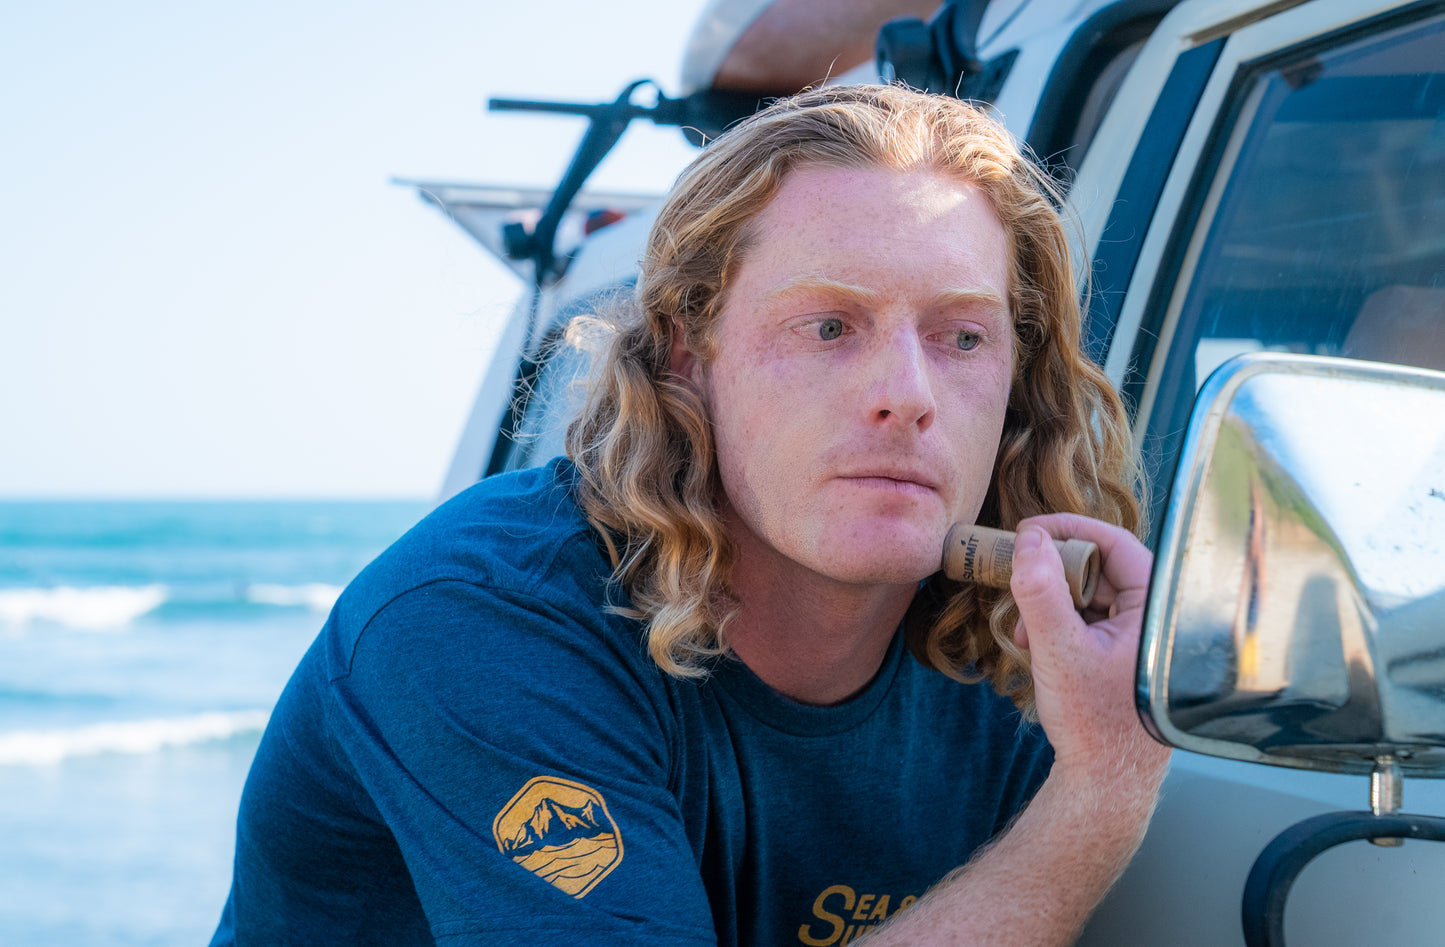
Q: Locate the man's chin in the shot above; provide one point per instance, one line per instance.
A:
(887, 562)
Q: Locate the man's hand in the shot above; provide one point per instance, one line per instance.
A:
(1083, 665)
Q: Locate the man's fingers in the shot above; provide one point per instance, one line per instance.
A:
(1021, 633)
(1038, 584)
(1126, 562)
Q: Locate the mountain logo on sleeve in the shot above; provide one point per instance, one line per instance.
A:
(561, 832)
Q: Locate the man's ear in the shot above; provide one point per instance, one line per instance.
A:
(682, 360)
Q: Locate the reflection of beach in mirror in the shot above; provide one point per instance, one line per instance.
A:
(144, 644)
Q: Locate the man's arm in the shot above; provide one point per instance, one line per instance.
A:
(512, 745)
(1040, 880)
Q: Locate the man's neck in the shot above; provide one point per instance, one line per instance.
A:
(809, 637)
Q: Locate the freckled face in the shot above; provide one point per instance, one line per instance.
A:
(862, 372)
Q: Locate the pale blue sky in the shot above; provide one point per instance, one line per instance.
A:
(208, 286)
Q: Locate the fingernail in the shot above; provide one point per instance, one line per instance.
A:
(1029, 540)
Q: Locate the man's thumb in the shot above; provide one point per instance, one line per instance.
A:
(1039, 586)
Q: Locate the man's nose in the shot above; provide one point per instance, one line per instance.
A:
(902, 391)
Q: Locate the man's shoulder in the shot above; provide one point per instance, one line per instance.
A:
(509, 530)
(520, 535)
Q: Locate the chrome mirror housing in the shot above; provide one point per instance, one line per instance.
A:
(1296, 615)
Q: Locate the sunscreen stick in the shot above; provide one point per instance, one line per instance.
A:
(980, 554)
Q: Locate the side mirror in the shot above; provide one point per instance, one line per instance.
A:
(1296, 615)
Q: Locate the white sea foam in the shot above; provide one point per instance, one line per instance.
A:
(97, 608)
(40, 747)
(316, 596)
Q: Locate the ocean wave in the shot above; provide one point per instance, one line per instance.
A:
(41, 747)
(98, 608)
(317, 596)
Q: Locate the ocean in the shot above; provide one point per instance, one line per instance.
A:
(142, 647)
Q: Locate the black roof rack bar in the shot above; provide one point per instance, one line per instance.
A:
(703, 114)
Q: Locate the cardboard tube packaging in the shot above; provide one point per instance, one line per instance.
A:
(984, 555)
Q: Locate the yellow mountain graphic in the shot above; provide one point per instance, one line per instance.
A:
(560, 831)
(553, 824)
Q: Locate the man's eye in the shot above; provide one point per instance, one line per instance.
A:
(968, 341)
(830, 329)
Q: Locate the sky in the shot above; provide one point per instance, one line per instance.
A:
(209, 284)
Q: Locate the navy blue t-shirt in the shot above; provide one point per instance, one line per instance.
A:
(475, 750)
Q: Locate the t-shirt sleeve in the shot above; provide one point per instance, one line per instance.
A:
(522, 757)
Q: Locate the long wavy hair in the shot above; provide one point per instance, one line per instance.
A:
(643, 447)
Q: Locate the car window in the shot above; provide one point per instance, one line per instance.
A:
(557, 394)
(553, 388)
(1322, 231)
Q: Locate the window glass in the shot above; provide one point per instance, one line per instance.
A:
(557, 396)
(558, 389)
(1329, 234)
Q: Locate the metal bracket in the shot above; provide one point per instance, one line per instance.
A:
(705, 113)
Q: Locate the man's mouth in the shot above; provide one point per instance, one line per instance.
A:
(897, 480)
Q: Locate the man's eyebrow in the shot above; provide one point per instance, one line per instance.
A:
(817, 284)
(948, 297)
(964, 297)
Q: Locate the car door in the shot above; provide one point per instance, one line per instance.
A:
(1271, 177)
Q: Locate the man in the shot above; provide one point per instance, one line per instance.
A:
(703, 683)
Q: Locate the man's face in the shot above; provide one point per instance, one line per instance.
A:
(863, 364)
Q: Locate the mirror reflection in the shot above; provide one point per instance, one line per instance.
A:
(1297, 615)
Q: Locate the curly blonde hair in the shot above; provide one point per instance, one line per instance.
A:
(648, 473)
